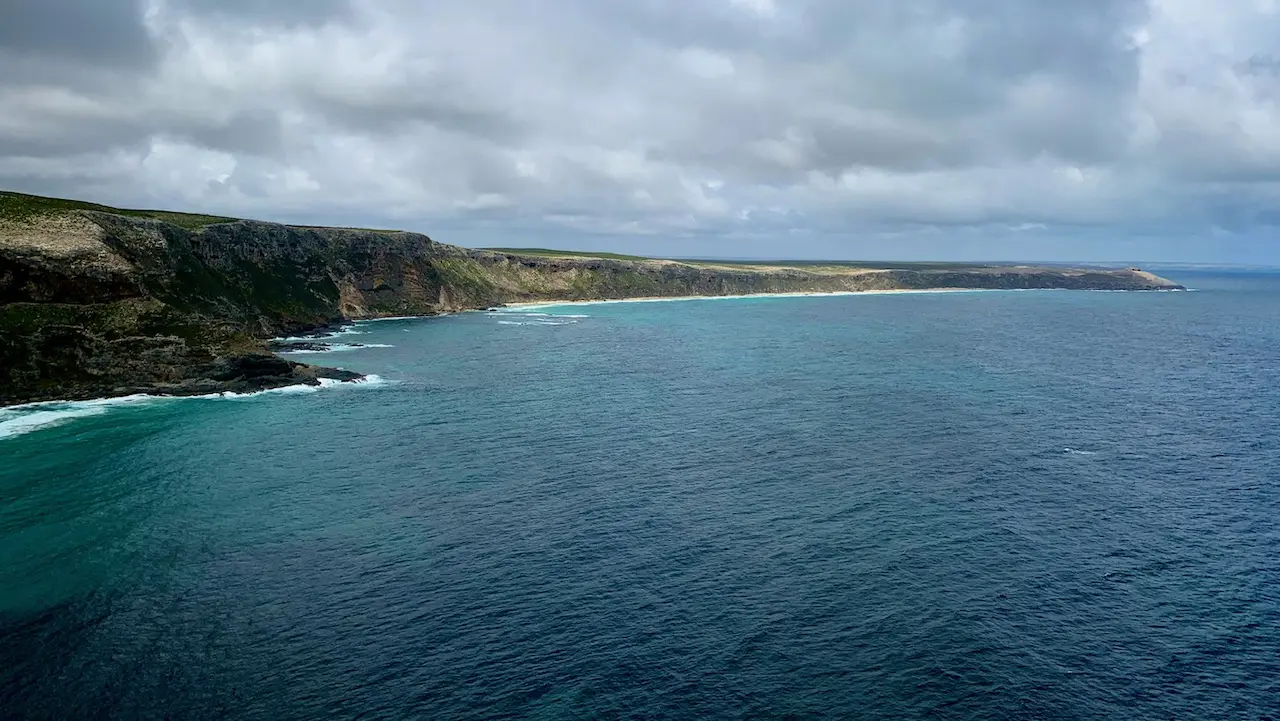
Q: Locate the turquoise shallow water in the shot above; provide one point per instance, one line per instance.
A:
(1003, 505)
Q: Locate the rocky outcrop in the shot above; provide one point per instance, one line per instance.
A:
(96, 303)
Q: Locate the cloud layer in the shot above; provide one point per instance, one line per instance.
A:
(992, 128)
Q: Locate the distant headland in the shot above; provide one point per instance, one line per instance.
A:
(98, 301)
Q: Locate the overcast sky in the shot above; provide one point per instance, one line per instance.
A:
(992, 129)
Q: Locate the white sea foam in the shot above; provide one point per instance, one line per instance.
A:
(394, 317)
(344, 330)
(338, 348)
(25, 423)
(1077, 452)
(369, 380)
(536, 322)
(539, 318)
(282, 390)
(23, 419)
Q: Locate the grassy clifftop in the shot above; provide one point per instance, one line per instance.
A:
(20, 206)
(100, 301)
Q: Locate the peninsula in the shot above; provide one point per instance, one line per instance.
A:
(98, 301)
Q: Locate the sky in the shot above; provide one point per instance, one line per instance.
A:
(1092, 130)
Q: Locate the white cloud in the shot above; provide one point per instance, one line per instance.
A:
(706, 64)
(763, 8)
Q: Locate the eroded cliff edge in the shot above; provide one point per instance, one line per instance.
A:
(96, 303)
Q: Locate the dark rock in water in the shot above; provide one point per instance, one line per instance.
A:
(295, 346)
(244, 373)
(323, 330)
(252, 372)
(334, 374)
(249, 367)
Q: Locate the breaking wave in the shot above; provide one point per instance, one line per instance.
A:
(338, 348)
(23, 419)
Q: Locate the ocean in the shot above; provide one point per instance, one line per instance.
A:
(971, 505)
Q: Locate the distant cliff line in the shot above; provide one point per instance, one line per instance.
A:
(98, 302)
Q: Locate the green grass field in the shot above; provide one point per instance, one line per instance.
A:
(870, 264)
(567, 253)
(380, 231)
(804, 264)
(17, 206)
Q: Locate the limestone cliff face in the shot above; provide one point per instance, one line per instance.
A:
(94, 303)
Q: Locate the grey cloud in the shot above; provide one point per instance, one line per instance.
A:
(52, 124)
(83, 138)
(270, 12)
(653, 118)
(924, 86)
(109, 32)
(1086, 40)
(882, 144)
(1262, 65)
(251, 132)
(400, 105)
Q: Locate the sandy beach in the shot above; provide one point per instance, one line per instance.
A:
(662, 299)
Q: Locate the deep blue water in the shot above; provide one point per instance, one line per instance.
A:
(1003, 505)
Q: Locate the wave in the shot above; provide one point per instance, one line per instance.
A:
(338, 348)
(369, 380)
(1077, 452)
(516, 314)
(344, 330)
(395, 317)
(536, 318)
(23, 419)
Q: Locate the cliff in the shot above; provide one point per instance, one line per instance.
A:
(97, 301)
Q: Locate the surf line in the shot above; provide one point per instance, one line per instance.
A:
(22, 419)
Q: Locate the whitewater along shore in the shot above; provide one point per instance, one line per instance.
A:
(98, 302)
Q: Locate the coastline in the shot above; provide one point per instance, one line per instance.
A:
(23, 418)
(312, 378)
(146, 306)
(347, 326)
(747, 296)
(20, 419)
(740, 296)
